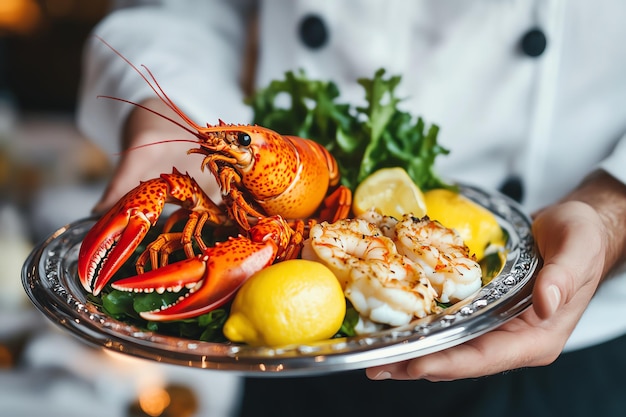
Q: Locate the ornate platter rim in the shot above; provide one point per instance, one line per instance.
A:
(49, 279)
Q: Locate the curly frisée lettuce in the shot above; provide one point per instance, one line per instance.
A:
(361, 138)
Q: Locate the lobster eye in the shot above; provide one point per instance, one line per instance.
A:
(244, 139)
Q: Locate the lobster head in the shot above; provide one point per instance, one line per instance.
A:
(243, 143)
(254, 152)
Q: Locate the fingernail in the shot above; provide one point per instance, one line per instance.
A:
(382, 375)
(554, 298)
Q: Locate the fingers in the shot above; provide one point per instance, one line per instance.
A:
(440, 366)
(107, 201)
(152, 147)
(149, 162)
(127, 176)
(512, 346)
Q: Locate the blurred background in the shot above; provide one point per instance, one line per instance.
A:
(49, 176)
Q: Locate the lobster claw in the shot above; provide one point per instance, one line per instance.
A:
(114, 238)
(111, 241)
(212, 277)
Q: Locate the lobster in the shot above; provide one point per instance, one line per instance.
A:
(272, 186)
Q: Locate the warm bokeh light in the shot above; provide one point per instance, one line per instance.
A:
(19, 16)
(184, 401)
(153, 401)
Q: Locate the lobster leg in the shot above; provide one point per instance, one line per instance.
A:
(336, 206)
(114, 238)
(214, 276)
(159, 250)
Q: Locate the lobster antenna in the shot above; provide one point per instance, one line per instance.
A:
(160, 93)
(146, 145)
(141, 106)
(156, 87)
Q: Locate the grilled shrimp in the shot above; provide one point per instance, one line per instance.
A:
(382, 285)
(394, 270)
(442, 254)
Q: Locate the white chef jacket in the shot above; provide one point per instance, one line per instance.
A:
(548, 120)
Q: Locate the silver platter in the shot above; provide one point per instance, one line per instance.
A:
(50, 279)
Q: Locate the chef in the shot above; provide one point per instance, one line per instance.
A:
(530, 97)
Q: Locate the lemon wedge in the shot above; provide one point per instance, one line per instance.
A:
(391, 192)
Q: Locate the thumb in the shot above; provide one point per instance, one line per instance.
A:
(101, 207)
(570, 244)
(110, 196)
(552, 288)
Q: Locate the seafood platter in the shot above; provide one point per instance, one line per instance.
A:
(179, 289)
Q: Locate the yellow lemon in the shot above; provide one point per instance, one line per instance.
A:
(291, 302)
(390, 191)
(477, 226)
